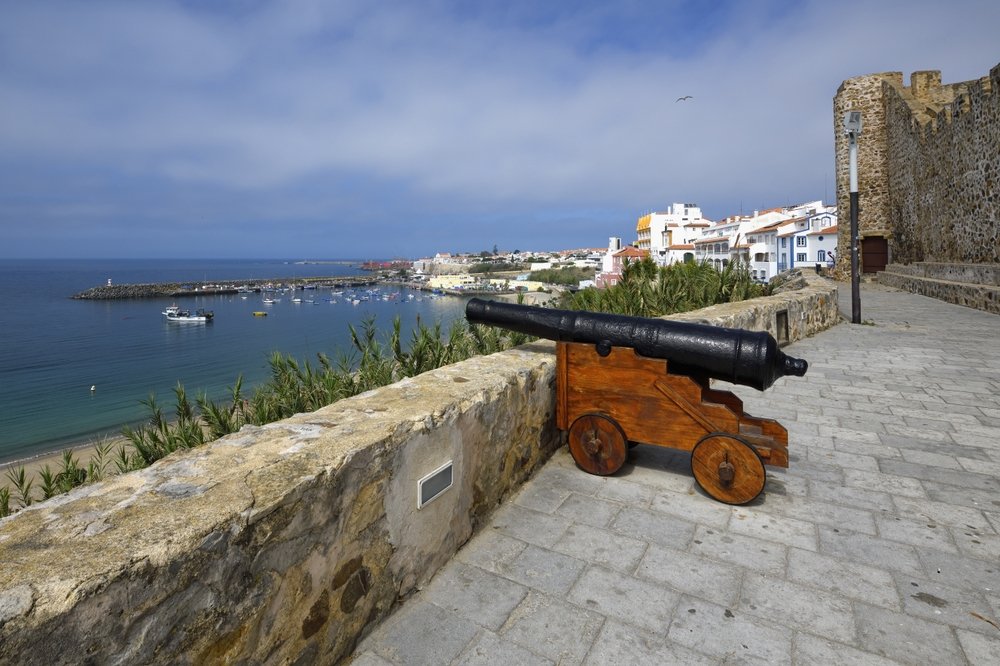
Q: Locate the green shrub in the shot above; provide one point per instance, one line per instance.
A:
(648, 290)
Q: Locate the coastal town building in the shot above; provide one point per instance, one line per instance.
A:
(669, 236)
(614, 262)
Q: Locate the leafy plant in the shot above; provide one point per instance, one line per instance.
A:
(18, 477)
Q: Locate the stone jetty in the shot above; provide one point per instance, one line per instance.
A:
(181, 289)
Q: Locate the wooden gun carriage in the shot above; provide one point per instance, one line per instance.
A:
(627, 380)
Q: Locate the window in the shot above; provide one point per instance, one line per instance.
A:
(800, 241)
(784, 242)
(821, 255)
(800, 256)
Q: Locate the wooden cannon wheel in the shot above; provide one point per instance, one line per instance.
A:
(598, 444)
(728, 468)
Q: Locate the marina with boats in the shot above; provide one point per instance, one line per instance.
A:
(111, 291)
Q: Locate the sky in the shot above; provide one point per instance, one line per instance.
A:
(310, 129)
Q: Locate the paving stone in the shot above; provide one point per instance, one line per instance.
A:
(694, 575)
(874, 449)
(694, 508)
(490, 550)
(639, 603)
(890, 483)
(602, 547)
(748, 552)
(906, 638)
(728, 635)
(977, 543)
(991, 467)
(654, 527)
(537, 528)
(857, 497)
(979, 649)
(994, 520)
(659, 468)
(874, 551)
(544, 570)
(420, 633)
(940, 512)
(961, 571)
(488, 649)
(921, 534)
(815, 471)
(784, 484)
(623, 644)
(568, 630)
(789, 531)
(931, 459)
(961, 478)
(473, 593)
(571, 478)
(970, 497)
(932, 446)
(844, 577)
(589, 510)
(797, 606)
(810, 649)
(542, 497)
(628, 493)
(825, 513)
(841, 459)
(956, 607)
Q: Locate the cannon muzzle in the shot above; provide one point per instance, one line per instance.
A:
(750, 358)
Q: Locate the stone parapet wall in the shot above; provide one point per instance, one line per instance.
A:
(972, 285)
(283, 543)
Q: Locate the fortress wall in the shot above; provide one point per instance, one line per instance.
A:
(929, 166)
(285, 543)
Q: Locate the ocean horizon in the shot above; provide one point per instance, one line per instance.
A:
(58, 349)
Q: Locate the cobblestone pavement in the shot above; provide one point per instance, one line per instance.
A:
(878, 545)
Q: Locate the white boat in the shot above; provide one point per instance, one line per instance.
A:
(175, 313)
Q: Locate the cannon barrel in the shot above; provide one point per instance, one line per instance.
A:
(750, 358)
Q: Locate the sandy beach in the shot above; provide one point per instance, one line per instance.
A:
(83, 453)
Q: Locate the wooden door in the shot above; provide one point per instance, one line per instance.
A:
(874, 254)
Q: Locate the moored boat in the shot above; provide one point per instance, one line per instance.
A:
(175, 313)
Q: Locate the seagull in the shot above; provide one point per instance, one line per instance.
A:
(683, 99)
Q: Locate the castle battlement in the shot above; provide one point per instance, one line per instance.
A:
(928, 166)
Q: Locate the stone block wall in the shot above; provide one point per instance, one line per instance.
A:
(283, 543)
(928, 163)
(972, 285)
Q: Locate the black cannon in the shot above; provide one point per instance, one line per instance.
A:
(750, 358)
(626, 380)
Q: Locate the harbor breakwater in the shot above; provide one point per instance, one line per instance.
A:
(178, 289)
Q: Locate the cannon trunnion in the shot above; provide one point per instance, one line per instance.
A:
(627, 380)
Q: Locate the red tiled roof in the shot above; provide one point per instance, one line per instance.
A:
(832, 231)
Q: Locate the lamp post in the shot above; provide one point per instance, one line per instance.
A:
(852, 126)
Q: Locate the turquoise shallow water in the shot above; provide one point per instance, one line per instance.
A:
(54, 349)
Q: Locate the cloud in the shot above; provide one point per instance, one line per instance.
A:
(375, 109)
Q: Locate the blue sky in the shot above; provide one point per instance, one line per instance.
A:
(321, 129)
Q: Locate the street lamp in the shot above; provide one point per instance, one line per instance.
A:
(852, 126)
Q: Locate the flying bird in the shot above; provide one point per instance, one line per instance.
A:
(683, 99)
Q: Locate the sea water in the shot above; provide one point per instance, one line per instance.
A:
(54, 349)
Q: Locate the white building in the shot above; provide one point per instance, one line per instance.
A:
(614, 261)
(740, 237)
(811, 240)
(669, 236)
